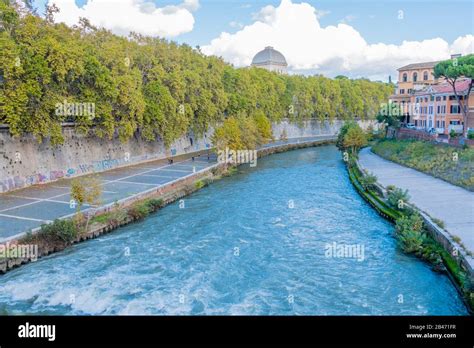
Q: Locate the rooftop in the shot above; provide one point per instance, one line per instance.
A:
(426, 65)
(269, 56)
(462, 86)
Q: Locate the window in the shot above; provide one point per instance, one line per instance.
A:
(443, 124)
(402, 91)
(405, 77)
(425, 76)
(430, 110)
(438, 98)
(415, 76)
(455, 109)
(426, 99)
(452, 97)
(416, 123)
(409, 91)
(431, 98)
(439, 109)
(444, 97)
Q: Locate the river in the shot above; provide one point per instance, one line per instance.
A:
(254, 243)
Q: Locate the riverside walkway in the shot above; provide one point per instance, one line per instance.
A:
(449, 203)
(29, 208)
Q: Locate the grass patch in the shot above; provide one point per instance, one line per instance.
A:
(438, 222)
(449, 163)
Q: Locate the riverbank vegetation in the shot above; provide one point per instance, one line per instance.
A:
(454, 165)
(411, 231)
(149, 87)
(410, 228)
(351, 138)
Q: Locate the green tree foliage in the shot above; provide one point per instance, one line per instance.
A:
(152, 88)
(452, 70)
(354, 138)
(389, 115)
(342, 133)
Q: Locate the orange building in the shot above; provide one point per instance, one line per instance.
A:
(412, 78)
(430, 103)
(436, 107)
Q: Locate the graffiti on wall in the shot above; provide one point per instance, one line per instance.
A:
(41, 177)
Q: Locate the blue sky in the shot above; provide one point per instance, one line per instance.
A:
(343, 37)
(376, 20)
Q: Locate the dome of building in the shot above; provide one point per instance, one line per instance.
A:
(270, 59)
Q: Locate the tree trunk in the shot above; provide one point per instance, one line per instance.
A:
(462, 106)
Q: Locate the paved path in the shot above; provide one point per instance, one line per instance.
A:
(452, 204)
(29, 208)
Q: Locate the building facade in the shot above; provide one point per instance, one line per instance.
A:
(437, 107)
(429, 103)
(412, 78)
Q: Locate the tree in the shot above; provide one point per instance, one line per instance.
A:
(228, 135)
(452, 70)
(342, 134)
(86, 190)
(151, 88)
(389, 115)
(354, 139)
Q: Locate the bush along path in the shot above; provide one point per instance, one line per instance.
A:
(414, 229)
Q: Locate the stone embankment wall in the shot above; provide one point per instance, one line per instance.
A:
(25, 162)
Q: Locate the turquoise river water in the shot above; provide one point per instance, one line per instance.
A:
(255, 243)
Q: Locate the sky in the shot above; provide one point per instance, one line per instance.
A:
(369, 38)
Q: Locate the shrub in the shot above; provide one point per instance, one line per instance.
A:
(139, 211)
(117, 217)
(453, 134)
(410, 232)
(438, 222)
(470, 134)
(155, 203)
(199, 184)
(398, 198)
(368, 181)
(63, 231)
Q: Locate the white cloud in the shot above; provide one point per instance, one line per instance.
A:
(124, 16)
(235, 24)
(347, 19)
(294, 30)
